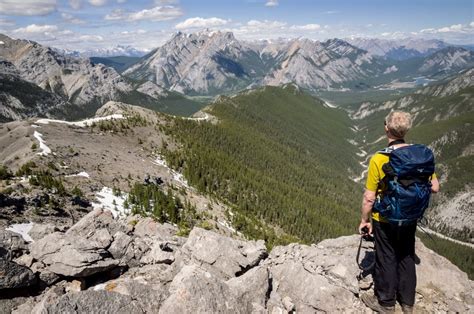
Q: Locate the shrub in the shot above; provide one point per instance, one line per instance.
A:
(5, 174)
(26, 169)
(76, 191)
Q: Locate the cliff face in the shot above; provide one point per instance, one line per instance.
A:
(137, 265)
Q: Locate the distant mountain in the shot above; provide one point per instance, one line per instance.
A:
(200, 63)
(313, 64)
(398, 49)
(447, 60)
(117, 51)
(120, 63)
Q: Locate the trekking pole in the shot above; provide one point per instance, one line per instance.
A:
(367, 237)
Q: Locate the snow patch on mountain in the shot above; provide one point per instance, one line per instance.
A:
(108, 201)
(45, 150)
(391, 69)
(82, 123)
(177, 177)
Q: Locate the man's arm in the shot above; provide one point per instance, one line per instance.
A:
(434, 185)
(367, 203)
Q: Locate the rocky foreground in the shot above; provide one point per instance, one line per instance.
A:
(136, 265)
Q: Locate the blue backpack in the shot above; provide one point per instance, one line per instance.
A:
(407, 184)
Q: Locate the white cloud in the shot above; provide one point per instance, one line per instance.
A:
(139, 32)
(27, 7)
(69, 18)
(271, 3)
(117, 14)
(199, 22)
(255, 29)
(307, 27)
(97, 3)
(265, 24)
(33, 28)
(94, 38)
(456, 28)
(75, 4)
(163, 13)
(165, 2)
(456, 33)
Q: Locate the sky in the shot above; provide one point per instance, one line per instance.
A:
(145, 24)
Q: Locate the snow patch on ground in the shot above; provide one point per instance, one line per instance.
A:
(80, 174)
(35, 126)
(178, 177)
(228, 226)
(22, 229)
(45, 150)
(108, 201)
(83, 123)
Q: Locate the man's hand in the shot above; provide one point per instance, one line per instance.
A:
(365, 228)
(367, 203)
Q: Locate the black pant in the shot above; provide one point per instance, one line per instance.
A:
(395, 273)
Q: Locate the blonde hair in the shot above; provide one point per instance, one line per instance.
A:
(398, 123)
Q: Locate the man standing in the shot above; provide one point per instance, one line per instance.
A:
(395, 273)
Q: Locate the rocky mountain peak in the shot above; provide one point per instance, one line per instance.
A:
(448, 59)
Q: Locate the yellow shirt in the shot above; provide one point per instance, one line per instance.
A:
(374, 178)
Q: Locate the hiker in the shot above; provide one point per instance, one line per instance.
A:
(394, 273)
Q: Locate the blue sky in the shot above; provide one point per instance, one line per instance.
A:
(145, 24)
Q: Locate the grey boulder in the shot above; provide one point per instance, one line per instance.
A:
(74, 255)
(228, 256)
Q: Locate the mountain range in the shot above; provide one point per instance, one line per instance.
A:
(117, 51)
(398, 49)
(204, 63)
(216, 62)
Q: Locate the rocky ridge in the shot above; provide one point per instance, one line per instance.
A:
(77, 79)
(138, 265)
(448, 59)
(398, 49)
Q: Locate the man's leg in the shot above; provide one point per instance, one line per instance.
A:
(406, 266)
(385, 277)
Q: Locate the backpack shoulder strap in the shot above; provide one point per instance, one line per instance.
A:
(386, 150)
